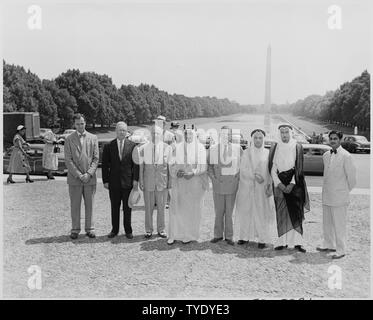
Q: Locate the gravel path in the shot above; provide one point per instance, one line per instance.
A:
(36, 233)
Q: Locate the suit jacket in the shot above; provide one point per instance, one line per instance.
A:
(224, 177)
(339, 178)
(119, 174)
(81, 159)
(155, 175)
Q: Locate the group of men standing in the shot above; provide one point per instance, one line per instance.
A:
(263, 187)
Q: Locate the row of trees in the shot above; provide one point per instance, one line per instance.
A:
(100, 100)
(348, 105)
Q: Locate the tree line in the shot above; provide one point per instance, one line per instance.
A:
(95, 96)
(349, 105)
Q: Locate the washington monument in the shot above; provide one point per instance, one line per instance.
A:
(267, 95)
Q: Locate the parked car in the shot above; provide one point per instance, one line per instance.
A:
(238, 138)
(138, 138)
(354, 143)
(313, 162)
(35, 158)
(268, 142)
(300, 138)
(43, 131)
(66, 133)
(313, 157)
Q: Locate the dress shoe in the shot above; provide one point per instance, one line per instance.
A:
(91, 234)
(148, 235)
(335, 256)
(261, 245)
(325, 249)
(187, 241)
(281, 247)
(230, 242)
(162, 234)
(170, 241)
(300, 249)
(74, 235)
(129, 235)
(28, 180)
(240, 242)
(111, 235)
(215, 240)
(167, 206)
(9, 180)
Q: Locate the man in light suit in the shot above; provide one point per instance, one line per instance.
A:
(339, 180)
(81, 158)
(154, 179)
(223, 170)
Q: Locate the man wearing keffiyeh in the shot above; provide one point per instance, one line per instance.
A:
(289, 188)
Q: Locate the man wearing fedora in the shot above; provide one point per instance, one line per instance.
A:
(81, 157)
(154, 179)
(120, 174)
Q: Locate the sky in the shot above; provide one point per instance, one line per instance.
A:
(196, 48)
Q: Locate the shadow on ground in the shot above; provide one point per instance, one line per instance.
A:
(246, 251)
(84, 239)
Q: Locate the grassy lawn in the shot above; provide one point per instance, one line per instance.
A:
(37, 225)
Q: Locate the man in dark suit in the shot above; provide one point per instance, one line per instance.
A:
(120, 174)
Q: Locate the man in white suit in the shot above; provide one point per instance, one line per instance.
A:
(339, 180)
(154, 179)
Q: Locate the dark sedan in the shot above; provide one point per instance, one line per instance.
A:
(313, 156)
(354, 143)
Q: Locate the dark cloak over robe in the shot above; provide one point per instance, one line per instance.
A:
(290, 208)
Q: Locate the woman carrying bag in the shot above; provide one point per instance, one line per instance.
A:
(50, 154)
(18, 162)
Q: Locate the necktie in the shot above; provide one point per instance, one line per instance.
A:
(121, 150)
(81, 138)
(333, 151)
(225, 153)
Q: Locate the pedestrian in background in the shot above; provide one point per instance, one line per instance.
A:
(50, 154)
(18, 162)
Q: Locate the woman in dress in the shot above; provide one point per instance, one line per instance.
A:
(18, 162)
(50, 158)
(254, 203)
(189, 184)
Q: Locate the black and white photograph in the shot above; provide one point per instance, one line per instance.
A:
(186, 150)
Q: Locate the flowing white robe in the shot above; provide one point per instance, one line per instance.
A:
(255, 211)
(187, 195)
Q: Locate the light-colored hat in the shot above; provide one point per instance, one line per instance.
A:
(20, 127)
(161, 118)
(134, 198)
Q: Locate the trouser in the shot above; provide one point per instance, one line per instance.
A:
(291, 238)
(224, 204)
(150, 198)
(334, 228)
(87, 192)
(117, 196)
